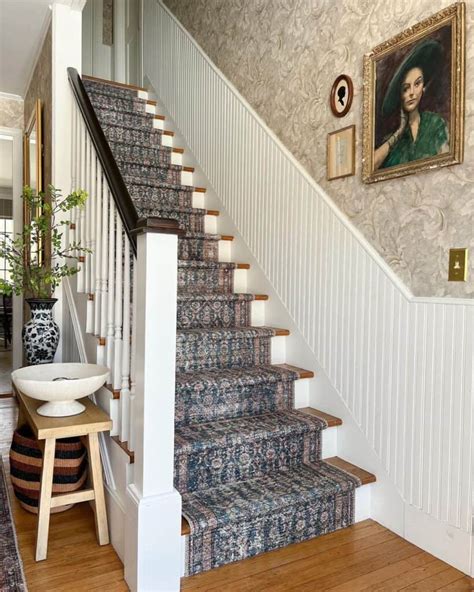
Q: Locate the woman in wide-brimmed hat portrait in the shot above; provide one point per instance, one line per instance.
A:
(420, 133)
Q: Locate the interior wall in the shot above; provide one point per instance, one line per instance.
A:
(40, 87)
(283, 56)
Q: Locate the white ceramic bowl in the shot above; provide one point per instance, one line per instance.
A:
(60, 385)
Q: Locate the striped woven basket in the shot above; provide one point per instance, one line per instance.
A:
(70, 468)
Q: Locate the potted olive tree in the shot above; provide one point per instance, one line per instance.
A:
(38, 259)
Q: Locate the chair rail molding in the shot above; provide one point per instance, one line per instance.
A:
(402, 365)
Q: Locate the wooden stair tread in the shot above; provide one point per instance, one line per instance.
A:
(168, 133)
(188, 169)
(211, 212)
(115, 393)
(160, 117)
(178, 150)
(302, 373)
(113, 83)
(124, 447)
(362, 474)
(151, 102)
(331, 420)
(185, 529)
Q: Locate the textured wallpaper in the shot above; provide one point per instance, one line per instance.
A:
(283, 56)
(11, 113)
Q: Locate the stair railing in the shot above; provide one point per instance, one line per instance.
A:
(129, 279)
(107, 225)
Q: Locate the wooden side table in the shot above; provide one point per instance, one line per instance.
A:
(47, 430)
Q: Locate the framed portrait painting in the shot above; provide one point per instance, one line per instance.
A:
(414, 98)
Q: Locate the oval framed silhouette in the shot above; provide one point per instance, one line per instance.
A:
(342, 93)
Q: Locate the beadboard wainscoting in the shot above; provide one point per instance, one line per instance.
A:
(402, 365)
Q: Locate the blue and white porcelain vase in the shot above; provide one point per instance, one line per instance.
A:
(40, 334)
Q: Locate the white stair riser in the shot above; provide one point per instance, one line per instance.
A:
(225, 251)
(177, 158)
(210, 224)
(187, 179)
(257, 313)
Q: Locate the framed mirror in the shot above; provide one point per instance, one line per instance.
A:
(33, 168)
(33, 144)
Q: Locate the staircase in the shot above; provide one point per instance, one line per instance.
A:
(249, 466)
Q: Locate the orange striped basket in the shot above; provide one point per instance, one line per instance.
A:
(70, 468)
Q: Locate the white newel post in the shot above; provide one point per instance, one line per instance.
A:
(153, 512)
(66, 52)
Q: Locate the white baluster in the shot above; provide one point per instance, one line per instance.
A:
(74, 140)
(133, 360)
(98, 252)
(101, 349)
(125, 386)
(85, 240)
(117, 381)
(111, 290)
(80, 220)
(90, 230)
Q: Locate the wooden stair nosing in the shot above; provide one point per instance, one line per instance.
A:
(114, 83)
(302, 373)
(331, 420)
(124, 447)
(348, 467)
(160, 117)
(340, 463)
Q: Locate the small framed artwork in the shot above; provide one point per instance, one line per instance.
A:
(342, 93)
(341, 153)
(414, 98)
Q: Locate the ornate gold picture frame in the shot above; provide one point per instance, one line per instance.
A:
(413, 116)
(33, 169)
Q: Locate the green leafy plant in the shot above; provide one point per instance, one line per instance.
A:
(38, 258)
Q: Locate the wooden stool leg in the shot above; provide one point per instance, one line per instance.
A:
(44, 507)
(98, 485)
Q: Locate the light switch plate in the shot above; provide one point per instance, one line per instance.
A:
(457, 265)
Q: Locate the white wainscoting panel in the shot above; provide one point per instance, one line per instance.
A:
(403, 365)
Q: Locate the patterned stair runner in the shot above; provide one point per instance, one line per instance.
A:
(248, 465)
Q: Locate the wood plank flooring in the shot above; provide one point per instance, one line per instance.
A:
(364, 557)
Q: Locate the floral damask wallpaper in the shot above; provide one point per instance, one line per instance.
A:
(283, 56)
(11, 112)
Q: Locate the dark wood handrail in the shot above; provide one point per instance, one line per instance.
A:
(118, 189)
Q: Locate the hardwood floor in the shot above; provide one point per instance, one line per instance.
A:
(364, 557)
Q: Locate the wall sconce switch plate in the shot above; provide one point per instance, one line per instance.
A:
(457, 265)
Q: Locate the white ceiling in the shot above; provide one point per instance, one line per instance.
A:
(22, 27)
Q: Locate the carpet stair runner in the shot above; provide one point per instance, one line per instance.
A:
(248, 465)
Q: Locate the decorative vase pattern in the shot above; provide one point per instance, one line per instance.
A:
(40, 334)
